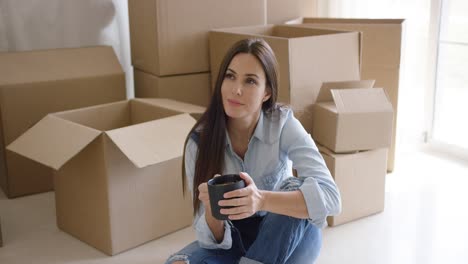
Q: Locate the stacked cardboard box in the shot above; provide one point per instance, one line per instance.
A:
(35, 83)
(352, 126)
(117, 166)
(169, 43)
(306, 57)
(381, 54)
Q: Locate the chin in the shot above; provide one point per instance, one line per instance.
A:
(233, 114)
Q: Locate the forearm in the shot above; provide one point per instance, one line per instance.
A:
(216, 226)
(285, 203)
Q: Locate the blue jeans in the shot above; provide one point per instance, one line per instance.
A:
(270, 239)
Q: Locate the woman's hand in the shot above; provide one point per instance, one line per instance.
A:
(216, 226)
(247, 200)
(203, 195)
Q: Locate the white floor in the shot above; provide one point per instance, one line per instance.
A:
(425, 221)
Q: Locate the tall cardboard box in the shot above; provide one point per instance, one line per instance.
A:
(35, 83)
(306, 57)
(1, 237)
(189, 88)
(381, 55)
(360, 176)
(118, 171)
(171, 36)
(353, 119)
(280, 11)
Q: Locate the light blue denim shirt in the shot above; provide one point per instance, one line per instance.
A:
(278, 144)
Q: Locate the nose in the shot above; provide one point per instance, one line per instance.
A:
(237, 89)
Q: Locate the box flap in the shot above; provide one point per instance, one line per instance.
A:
(331, 20)
(173, 105)
(324, 150)
(325, 94)
(155, 141)
(361, 100)
(53, 141)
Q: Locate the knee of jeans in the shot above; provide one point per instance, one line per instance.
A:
(178, 257)
(291, 183)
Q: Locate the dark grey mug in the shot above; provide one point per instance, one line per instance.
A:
(220, 185)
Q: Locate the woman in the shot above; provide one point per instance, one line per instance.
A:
(276, 218)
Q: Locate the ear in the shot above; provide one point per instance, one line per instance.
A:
(267, 95)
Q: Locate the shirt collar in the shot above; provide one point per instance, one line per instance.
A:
(259, 132)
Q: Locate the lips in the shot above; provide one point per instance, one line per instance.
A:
(234, 102)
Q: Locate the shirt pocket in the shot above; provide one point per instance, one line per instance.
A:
(272, 179)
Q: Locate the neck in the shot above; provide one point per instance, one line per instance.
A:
(242, 129)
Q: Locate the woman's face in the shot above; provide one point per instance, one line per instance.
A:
(244, 88)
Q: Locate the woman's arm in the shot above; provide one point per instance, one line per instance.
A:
(290, 203)
(216, 226)
(285, 203)
(210, 234)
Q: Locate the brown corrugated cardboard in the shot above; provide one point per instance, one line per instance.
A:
(306, 57)
(189, 88)
(194, 110)
(353, 118)
(35, 83)
(360, 176)
(117, 166)
(381, 54)
(280, 11)
(171, 36)
(1, 237)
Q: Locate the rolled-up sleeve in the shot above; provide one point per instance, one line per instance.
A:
(321, 194)
(203, 232)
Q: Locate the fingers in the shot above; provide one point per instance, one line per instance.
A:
(235, 202)
(203, 193)
(246, 177)
(239, 216)
(238, 193)
(239, 212)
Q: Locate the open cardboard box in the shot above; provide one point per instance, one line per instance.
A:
(383, 40)
(351, 119)
(306, 57)
(35, 83)
(118, 170)
(170, 37)
(360, 177)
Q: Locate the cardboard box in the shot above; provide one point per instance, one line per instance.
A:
(280, 11)
(118, 171)
(306, 57)
(171, 36)
(381, 55)
(360, 176)
(1, 237)
(195, 111)
(353, 118)
(35, 83)
(189, 88)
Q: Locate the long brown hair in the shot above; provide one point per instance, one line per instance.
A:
(211, 127)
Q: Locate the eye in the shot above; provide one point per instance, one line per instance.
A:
(251, 81)
(229, 76)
